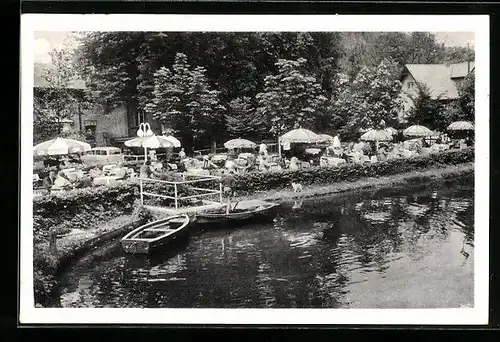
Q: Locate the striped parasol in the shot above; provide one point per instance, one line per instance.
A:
(417, 131)
(461, 126)
(60, 146)
(239, 143)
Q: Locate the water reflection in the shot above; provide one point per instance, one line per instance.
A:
(401, 249)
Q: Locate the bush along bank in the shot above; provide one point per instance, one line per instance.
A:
(260, 181)
(49, 260)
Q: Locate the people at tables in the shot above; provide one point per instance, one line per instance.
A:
(182, 154)
(95, 172)
(84, 182)
(119, 171)
(61, 182)
(49, 180)
(263, 148)
(263, 165)
(294, 163)
(145, 171)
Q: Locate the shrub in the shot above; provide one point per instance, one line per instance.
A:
(81, 208)
(261, 181)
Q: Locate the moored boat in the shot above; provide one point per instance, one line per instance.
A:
(240, 211)
(153, 235)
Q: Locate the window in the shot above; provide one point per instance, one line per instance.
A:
(101, 153)
(411, 85)
(91, 152)
(114, 152)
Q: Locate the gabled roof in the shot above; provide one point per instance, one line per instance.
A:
(439, 78)
(459, 70)
(40, 82)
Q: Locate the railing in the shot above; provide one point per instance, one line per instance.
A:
(198, 179)
(137, 157)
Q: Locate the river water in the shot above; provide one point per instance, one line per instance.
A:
(402, 248)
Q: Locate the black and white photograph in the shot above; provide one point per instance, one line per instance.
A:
(250, 169)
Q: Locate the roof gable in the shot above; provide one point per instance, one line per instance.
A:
(436, 77)
(460, 70)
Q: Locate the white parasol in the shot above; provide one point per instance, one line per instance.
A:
(461, 126)
(417, 131)
(147, 139)
(60, 146)
(239, 143)
(176, 142)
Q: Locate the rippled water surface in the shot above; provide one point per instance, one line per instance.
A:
(401, 249)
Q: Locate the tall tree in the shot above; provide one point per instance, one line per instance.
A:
(372, 97)
(243, 120)
(426, 111)
(291, 98)
(184, 101)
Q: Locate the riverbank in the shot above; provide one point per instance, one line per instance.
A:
(399, 180)
(47, 264)
(49, 260)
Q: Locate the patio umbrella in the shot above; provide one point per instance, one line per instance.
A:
(391, 130)
(301, 135)
(239, 143)
(326, 137)
(377, 135)
(461, 126)
(176, 142)
(154, 141)
(417, 131)
(60, 146)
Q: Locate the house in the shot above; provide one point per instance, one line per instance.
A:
(441, 80)
(102, 128)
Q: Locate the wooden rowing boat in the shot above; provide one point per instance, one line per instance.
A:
(240, 212)
(154, 235)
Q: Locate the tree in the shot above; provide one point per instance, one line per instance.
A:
(425, 110)
(57, 98)
(184, 101)
(243, 120)
(291, 97)
(463, 108)
(458, 54)
(373, 96)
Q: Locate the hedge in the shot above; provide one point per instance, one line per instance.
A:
(262, 181)
(80, 208)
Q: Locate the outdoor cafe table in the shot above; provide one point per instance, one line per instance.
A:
(107, 180)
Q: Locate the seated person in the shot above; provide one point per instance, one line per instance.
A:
(119, 171)
(61, 182)
(84, 182)
(48, 181)
(294, 163)
(145, 170)
(95, 172)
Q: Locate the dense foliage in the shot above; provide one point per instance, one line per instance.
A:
(258, 181)
(210, 85)
(373, 96)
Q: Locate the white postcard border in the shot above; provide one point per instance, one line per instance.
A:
(134, 22)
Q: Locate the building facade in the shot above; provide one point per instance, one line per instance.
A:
(102, 128)
(441, 80)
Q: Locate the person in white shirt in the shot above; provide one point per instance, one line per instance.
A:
(263, 148)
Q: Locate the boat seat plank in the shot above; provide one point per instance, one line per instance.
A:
(159, 229)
